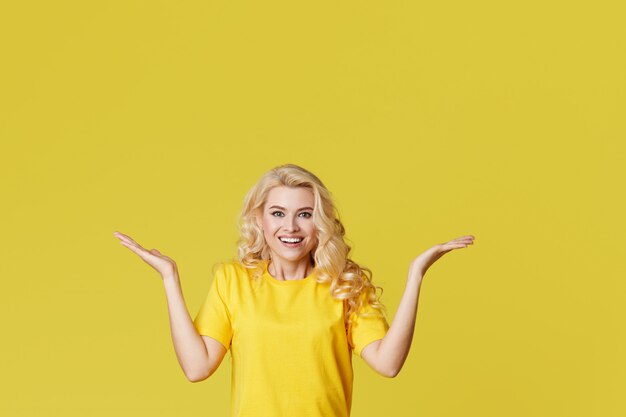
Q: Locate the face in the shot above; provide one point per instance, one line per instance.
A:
(288, 213)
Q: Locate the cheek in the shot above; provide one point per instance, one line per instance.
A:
(269, 225)
(313, 232)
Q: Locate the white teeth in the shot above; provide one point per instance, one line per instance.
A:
(290, 240)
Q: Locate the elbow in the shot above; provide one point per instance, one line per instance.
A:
(390, 373)
(197, 377)
(201, 372)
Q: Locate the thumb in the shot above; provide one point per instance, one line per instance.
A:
(155, 252)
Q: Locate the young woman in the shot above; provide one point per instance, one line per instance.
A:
(291, 307)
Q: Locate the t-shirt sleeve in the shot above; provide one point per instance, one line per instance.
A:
(214, 317)
(365, 330)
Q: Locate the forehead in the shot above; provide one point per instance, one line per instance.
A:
(290, 197)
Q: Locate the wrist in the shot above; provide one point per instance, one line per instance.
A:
(416, 278)
(415, 273)
(171, 277)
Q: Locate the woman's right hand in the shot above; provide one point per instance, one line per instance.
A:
(164, 265)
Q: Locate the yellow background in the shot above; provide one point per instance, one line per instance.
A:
(426, 120)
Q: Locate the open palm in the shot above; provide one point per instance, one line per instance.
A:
(424, 261)
(164, 265)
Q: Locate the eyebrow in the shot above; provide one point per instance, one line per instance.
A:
(282, 208)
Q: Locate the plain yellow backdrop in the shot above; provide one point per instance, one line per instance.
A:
(427, 121)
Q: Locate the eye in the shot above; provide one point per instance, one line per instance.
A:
(308, 215)
(274, 213)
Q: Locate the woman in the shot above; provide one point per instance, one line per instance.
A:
(291, 307)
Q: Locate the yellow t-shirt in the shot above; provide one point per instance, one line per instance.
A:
(291, 354)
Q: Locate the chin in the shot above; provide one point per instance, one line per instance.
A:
(293, 256)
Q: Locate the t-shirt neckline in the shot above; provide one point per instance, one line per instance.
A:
(270, 278)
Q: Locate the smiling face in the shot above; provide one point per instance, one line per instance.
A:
(288, 214)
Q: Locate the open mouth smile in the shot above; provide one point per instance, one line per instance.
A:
(291, 242)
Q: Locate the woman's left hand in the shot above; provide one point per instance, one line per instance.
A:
(421, 264)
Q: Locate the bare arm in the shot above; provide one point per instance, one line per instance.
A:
(199, 356)
(387, 355)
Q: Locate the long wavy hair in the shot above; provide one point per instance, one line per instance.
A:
(348, 280)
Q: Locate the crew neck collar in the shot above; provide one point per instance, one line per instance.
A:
(269, 277)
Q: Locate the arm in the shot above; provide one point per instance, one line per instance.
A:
(387, 355)
(199, 356)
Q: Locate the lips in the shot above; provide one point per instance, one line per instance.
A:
(291, 244)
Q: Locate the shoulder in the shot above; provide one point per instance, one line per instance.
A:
(230, 271)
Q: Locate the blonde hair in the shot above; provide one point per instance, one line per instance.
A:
(349, 281)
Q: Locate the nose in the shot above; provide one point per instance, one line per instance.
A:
(291, 223)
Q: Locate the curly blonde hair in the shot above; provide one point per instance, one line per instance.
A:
(349, 281)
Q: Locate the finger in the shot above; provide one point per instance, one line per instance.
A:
(137, 249)
(462, 240)
(129, 240)
(124, 237)
(448, 246)
(130, 245)
(455, 242)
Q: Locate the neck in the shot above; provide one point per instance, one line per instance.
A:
(285, 270)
